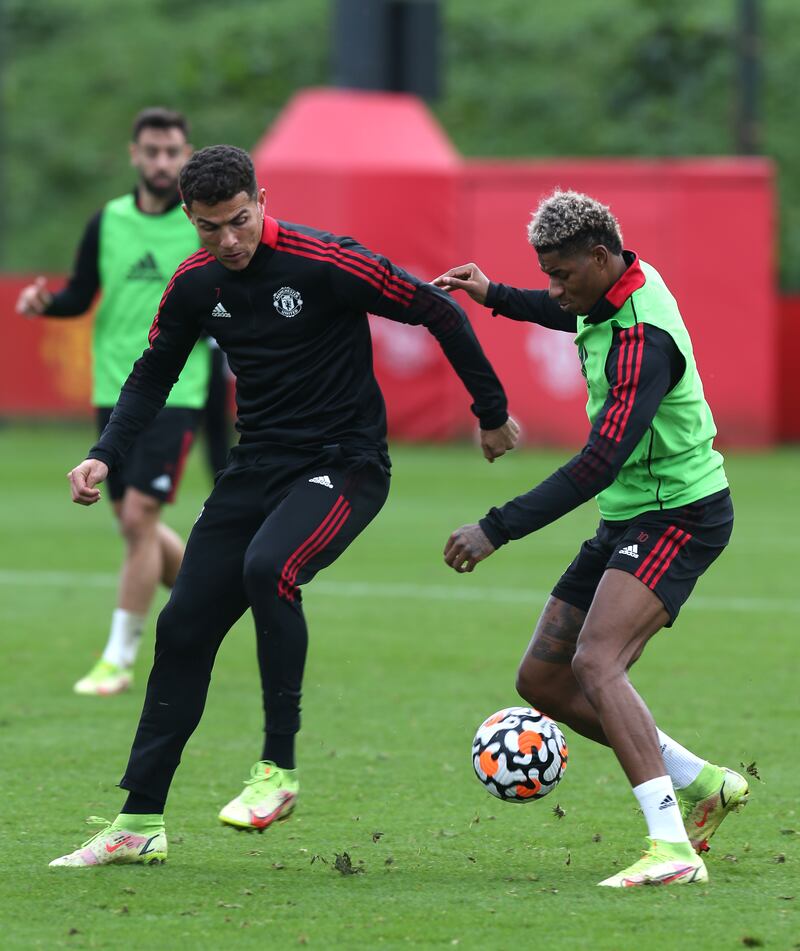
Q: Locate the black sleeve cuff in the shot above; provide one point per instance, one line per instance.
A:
(493, 420)
(491, 297)
(102, 455)
(492, 527)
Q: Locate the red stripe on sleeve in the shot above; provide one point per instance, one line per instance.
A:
(636, 373)
(338, 253)
(321, 256)
(196, 260)
(629, 364)
(180, 465)
(356, 257)
(616, 408)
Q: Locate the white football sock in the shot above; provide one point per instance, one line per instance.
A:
(124, 638)
(660, 807)
(681, 764)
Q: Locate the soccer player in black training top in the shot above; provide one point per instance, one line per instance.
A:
(288, 305)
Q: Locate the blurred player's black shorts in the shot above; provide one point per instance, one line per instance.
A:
(666, 550)
(154, 464)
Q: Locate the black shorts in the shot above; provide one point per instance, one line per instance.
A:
(666, 550)
(155, 462)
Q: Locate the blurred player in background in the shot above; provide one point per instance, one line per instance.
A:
(288, 304)
(666, 516)
(128, 252)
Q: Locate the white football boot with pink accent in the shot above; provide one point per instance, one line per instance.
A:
(663, 863)
(116, 845)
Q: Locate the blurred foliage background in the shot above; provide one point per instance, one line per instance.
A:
(624, 78)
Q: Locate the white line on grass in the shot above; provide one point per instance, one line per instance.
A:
(391, 589)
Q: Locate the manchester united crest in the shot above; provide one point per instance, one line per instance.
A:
(287, 301)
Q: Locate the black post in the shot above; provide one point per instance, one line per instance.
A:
(391, 45)
(748, 120)
(5, 47)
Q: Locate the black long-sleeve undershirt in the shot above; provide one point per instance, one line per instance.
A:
(596, 466)
(535, 307)
(76, 297)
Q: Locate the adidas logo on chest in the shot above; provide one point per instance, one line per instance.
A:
(145, 269)
(220, 312)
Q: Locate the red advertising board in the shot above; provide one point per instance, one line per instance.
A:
(45, 364)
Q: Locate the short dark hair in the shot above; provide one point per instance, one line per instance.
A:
(216, 174)
(157, 117)
(569, 221)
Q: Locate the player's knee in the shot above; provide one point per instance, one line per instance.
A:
(139, 521)
(538, 691)
(262, 572)
(528, 685)
(592, 667)
(176, 629)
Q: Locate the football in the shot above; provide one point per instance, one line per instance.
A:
(519, 754)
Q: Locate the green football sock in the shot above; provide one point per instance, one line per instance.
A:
(138, 823)
(706, 782)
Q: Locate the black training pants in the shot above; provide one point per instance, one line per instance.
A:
(266, 529)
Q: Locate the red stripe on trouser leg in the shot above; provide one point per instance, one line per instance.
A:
(286, 584)
(332, 529)
(287, 587)
(654, 554)
(666, 552)
(180, 465)
(668, 561)
(322, 542)
(300, 551)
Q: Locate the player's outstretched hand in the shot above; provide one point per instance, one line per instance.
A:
(84, 478)
(497, 442)
(467, 277)
(466, 547)
(34, 299)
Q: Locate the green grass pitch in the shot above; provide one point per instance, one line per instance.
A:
(406, 659)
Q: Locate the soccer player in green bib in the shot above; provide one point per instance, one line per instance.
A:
(128, 252)
(666, 515)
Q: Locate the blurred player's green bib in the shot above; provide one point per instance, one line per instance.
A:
(138, 255)
(674, 462)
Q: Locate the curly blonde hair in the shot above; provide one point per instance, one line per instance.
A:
(568, 221)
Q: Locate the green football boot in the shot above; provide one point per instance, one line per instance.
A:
(105, 679)
(269, 795)
(704, 803)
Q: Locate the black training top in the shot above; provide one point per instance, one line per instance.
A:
(596, 466)
(293, 324)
